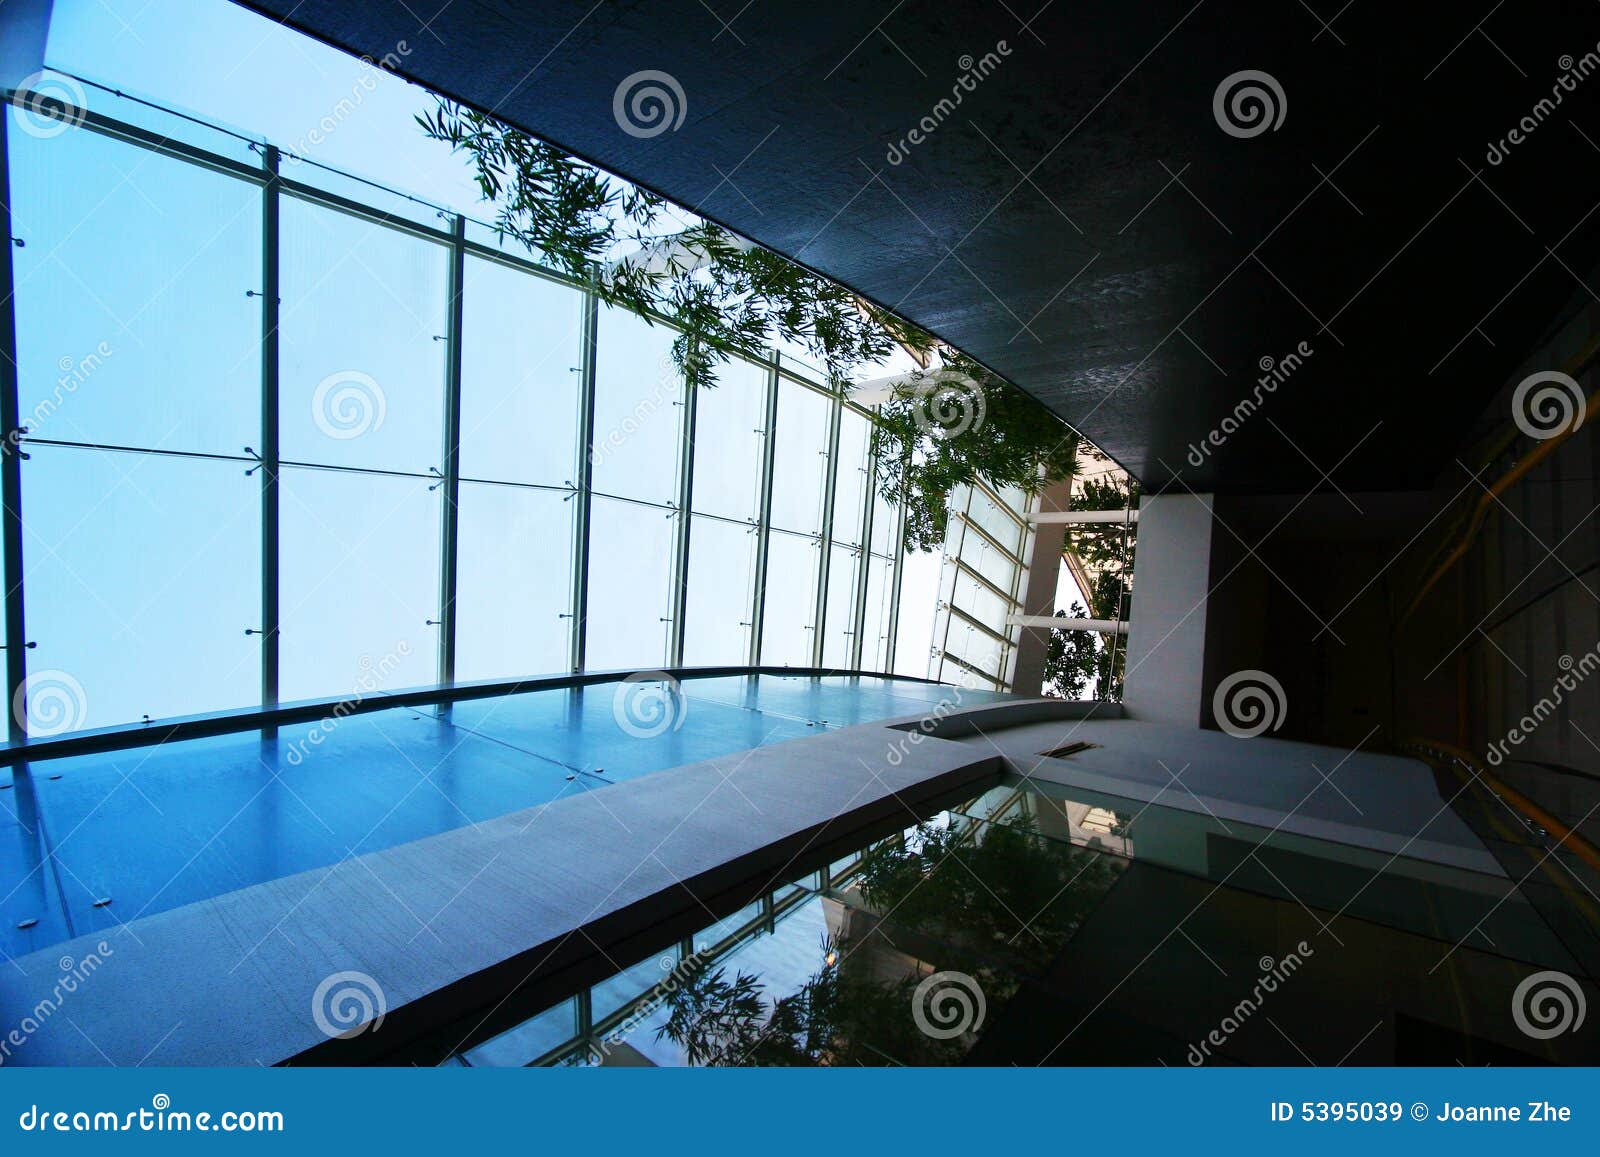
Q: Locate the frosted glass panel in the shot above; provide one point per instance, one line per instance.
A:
(521, 357)
(722, 567)
(800, 468)
(360, 581)
(729, 418)
(514, 583)
(630, 574)
(142, 574)
(850, 485)
(133, 327)
(638, 409)
(875, 626)
(839, 628)
(361, 338)
(790, 602)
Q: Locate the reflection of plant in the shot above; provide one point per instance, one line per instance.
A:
(1008, 892)
(836, 1018)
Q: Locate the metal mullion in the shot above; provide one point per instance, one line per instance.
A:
(158, 143)
(966, 568)
(11, 464)
(897, 558)
(450, 520)
(340, 204)
(582, 494)
(826, 543)
(966, 520)
(680, 552)
(973, 621)
(270, 427)
(764, 516)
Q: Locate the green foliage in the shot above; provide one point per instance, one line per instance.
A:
(732, 298)
(1072, 658)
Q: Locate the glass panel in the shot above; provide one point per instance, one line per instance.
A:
(362, 379)
(790, 603)
(637, 392)
(521, 376)
(850, 484)
(885, 525)
(919, 591)
(514, 583)
(838, 637)
(728, 423)
(979, 601)
(977, 649)
(875, 627)
(722, 570)
(1001, 526)
(142, 574)
(360, 580)
(800, 465)
(608, 996)
(133, 327)
(630, 576)
(989, 562)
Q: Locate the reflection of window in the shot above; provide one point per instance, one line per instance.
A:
(143, 573)
(360, 580)
(790, 602)
(630, 573)
(514, 592)
(722, 564)
(362, 377)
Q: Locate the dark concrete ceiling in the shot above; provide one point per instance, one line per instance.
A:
(1081, 222)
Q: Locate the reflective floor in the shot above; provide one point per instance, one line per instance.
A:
(1028, 928)
(92, 841)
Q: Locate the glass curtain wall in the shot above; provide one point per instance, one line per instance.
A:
(979, 587)
(422, 458)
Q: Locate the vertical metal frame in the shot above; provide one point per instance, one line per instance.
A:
(764, 518)
(449, 514)
(680, 553)
(829, 485)
(11, 459)
(897, 561)
(584, 482)
(271, 193)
